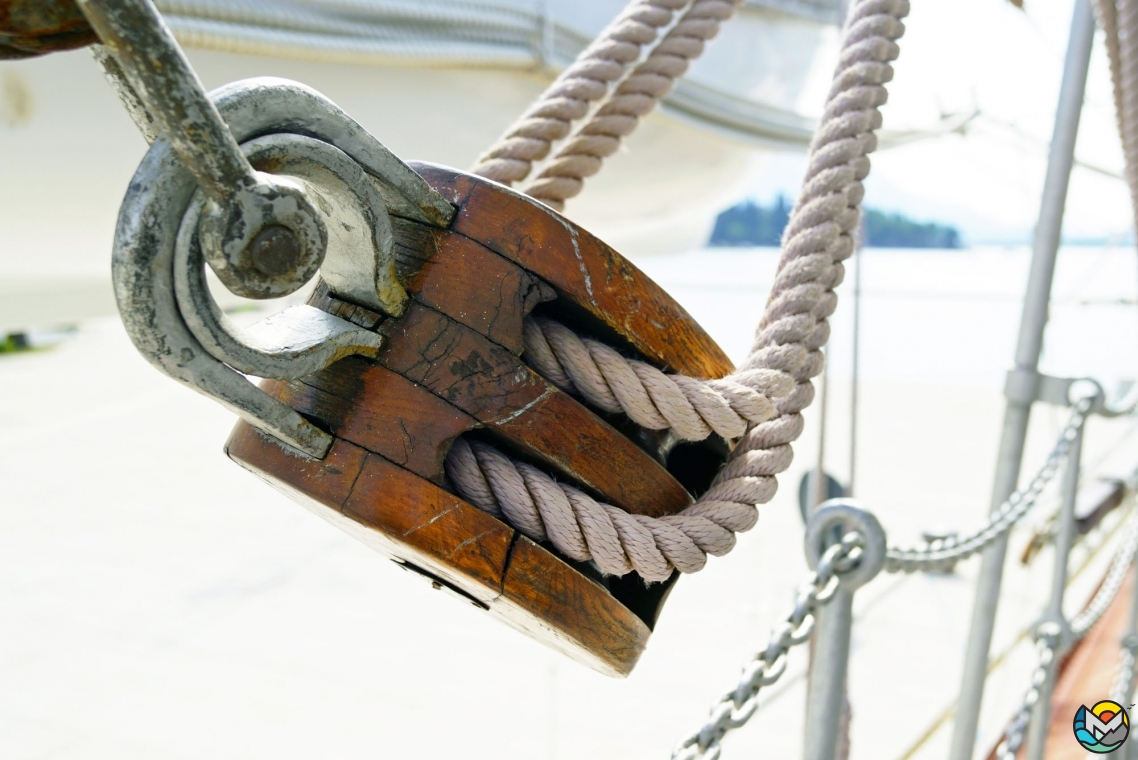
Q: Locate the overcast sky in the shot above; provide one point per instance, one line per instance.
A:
(960, 55)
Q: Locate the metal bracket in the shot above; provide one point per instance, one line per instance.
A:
(833, 518)
(1026, 386)
(829, 658)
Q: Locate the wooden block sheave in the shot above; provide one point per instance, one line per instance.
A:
(452, 365)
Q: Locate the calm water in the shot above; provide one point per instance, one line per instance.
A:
(951, 315)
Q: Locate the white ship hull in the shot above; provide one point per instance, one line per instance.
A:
(67, 150)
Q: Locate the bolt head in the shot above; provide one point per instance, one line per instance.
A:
(267, 241)
(275, 251)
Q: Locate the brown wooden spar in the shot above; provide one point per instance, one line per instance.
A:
(451, 364)
(36, 27)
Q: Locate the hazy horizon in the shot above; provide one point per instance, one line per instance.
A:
(987, 181)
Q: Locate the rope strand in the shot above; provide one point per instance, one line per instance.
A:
(654, 400)
(568, 98)
(581, 156)
(584, 529)
(786, 354)
(818, 237)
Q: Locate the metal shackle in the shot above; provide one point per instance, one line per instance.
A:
(261, 234)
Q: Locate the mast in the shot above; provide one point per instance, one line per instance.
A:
(1026, 371)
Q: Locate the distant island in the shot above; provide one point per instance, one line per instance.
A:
(751, 224)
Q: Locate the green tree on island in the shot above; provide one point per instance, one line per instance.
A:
(748, 224)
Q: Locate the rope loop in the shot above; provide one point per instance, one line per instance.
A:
(761, 403)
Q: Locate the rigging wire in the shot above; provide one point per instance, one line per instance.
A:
(855, 379)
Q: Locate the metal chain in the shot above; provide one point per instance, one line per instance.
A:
(1049, 636)
(735, 708)
(1122, 689)
(1085, 620)
(1046, 643)
(943, 553)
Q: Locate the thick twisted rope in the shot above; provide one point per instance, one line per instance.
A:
(654, 400)
(581, 156)
(817, 239)
(568, 99)
(787, 343)
(585, 529)
(1119, 22)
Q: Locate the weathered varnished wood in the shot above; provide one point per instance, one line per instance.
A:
(537, 594)
(414, 520)
(436, 379)
(328, 480)
(469, 283)
(381, 411)
(593, 276)
(497, 388)
(451, 364)
(420, 525)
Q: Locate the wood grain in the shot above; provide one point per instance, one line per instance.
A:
(467, 282)
(581, 268)
(412, 405)
(418, 524)
(537, 595)
(328, 480)
(495, 387)
(417, 521)
(381, 411)
(450, 365)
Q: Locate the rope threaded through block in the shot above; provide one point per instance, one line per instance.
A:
(786, 352)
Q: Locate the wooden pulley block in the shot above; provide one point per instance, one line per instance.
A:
(413, 337)
(451, 365)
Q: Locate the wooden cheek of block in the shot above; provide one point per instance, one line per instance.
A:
(451, 365)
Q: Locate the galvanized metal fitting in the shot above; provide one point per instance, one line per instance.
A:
(1049, 632)
(1085, 389)
(264, 241)
(198, 198)
(315, 151)
(836, 518)
(260, 233)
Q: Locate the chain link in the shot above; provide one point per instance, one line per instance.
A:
(1085, 620)
(735, 708)
(1046, 645)
(1122, 690)
(943, 553)
(1049, 637)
